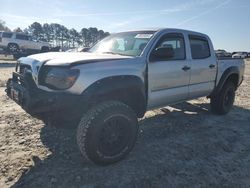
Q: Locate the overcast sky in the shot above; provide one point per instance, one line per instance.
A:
(227, 22)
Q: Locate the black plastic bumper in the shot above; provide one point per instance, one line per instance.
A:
(23, 90)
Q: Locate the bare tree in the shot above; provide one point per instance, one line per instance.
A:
(3, 27)
(18, 30)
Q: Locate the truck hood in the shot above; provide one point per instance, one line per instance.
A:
(69, 58)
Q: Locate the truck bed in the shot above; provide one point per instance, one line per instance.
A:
(225, 63)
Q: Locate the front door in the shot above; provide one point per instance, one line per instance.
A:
(168, 79)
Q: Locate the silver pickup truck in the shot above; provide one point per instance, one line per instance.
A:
(107, 88)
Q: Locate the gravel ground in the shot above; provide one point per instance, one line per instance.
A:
(179, 146)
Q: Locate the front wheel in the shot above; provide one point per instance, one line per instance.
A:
(222, 103)
(107, 133)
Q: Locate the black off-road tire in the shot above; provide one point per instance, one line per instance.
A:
(98, 129)
(222, 103)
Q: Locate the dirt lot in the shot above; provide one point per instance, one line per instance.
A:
(178, 146)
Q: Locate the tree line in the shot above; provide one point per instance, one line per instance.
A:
(59, 35)
(3, 27)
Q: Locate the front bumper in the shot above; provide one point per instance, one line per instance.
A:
(23, 90)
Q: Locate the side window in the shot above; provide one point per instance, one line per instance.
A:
(6, 35)
(175, 42)
(22, 37)
(199, 47)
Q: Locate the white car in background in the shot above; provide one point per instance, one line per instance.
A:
(223, 54)
(241, 55)
(18, 42)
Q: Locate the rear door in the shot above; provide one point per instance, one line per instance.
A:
(168, 79)
(33, 44)
(22, 40)
(203, 67)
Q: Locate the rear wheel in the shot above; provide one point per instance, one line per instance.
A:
(107, 133)
(222, 103)
(13, 48)
(44, 49)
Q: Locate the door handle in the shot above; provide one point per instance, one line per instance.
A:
(211, 66)
(186, 68)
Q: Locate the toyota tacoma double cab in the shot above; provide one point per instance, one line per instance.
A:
(106, 89)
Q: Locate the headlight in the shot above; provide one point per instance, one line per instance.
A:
(59, 77)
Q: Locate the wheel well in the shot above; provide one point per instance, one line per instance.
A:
(232, 75)
(45, 47)
(13, 43)
(133, 98)
(233, 78)
(127, 89)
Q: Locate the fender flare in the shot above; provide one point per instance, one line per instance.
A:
(227, 73)
(128, 89)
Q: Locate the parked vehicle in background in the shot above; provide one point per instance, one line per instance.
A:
(248, 54)
(223, 53)
(241, 55)
(20, 42)
(107, 88)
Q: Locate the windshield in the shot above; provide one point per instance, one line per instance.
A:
(128, 43)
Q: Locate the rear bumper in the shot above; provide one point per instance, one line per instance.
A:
(23, 90)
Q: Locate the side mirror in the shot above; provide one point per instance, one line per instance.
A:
(164, 52)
